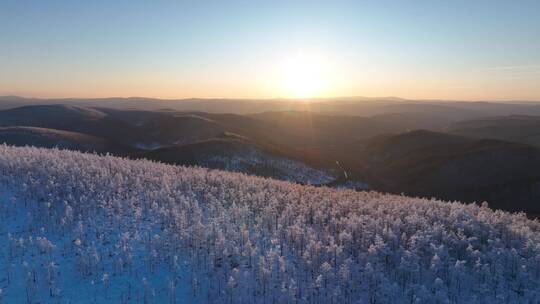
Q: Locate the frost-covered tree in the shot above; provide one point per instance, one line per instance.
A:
(89, 228)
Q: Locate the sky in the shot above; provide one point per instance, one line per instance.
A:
(462, 50)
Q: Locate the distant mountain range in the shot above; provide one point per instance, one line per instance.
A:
(354, 106)
(476, 151)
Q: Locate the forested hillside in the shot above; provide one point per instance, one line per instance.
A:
(481, 158)
(83, 228)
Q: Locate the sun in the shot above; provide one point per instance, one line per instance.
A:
(304, 76)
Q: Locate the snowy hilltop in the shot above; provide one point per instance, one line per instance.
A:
(84, 228)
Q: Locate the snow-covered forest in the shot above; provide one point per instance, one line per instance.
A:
(83, 228)
(263, 164)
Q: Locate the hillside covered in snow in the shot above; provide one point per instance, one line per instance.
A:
(83, 228)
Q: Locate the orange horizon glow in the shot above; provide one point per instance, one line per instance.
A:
(293, 75)
(285, 90)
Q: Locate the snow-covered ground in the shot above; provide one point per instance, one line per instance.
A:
(265, 164)
(82, 228)
(45, 265)
(352, 185)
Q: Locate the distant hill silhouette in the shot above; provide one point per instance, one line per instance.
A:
(435, 164)
(465, 154)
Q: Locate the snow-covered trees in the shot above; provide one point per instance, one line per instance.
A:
(86, 228)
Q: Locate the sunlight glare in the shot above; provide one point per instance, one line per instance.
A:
(304, 75)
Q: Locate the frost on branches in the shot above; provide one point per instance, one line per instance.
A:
(83, 228)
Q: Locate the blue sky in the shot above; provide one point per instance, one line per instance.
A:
(173, 49)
